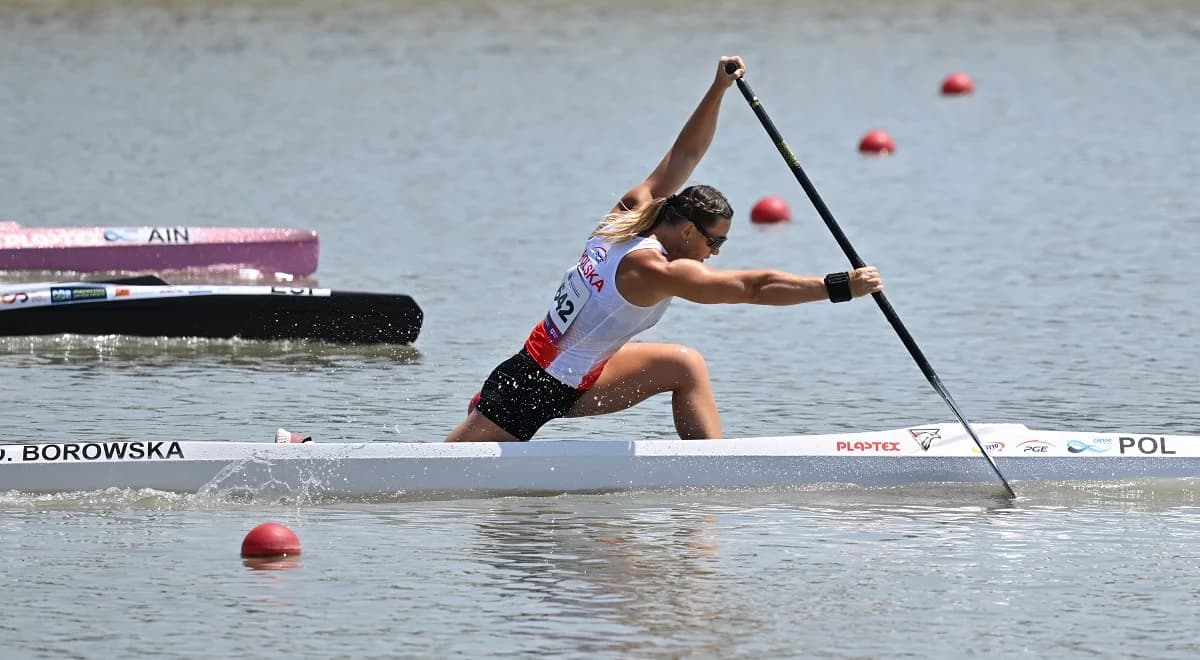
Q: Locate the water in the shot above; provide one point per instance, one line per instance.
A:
(747, 575)
(1037, 239)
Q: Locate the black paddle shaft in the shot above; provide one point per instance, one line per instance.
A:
(886, 307)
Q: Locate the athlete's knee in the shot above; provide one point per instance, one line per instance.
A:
(690, 363)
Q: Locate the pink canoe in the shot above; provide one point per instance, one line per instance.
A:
(92, 249)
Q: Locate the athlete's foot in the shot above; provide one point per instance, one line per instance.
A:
(284, 436)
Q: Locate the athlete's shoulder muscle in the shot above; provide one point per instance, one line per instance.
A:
(639, 277)
(653, 278)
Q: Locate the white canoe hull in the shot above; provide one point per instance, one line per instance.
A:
(884, 458)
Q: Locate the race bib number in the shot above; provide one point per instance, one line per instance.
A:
(570, 298)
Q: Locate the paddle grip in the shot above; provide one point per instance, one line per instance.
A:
(730, 67)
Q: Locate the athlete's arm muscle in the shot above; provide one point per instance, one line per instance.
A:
(689, 147)
(646, 277)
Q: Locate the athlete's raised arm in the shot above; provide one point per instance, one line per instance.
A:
(689, 147)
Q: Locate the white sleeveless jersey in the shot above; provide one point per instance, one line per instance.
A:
(588, 318)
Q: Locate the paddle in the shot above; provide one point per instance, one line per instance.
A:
(857, 261)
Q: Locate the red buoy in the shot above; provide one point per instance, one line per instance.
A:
(474, 402)
(877, 142)
(957, 83)
(770, 209)
(270, 539)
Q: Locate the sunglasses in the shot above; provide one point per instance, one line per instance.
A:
(714, 242)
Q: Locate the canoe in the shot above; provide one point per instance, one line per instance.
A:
(934, 453)
(150, 307)
(114, 249)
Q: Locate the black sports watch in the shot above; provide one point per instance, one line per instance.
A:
(838, 287)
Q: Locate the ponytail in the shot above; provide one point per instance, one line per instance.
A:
(627, 225)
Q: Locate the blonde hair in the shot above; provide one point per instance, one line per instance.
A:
(622, 226)
(692, 204)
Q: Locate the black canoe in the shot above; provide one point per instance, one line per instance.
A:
(149, 307)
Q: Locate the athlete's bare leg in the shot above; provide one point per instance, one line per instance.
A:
(477, 428)
(638, 371)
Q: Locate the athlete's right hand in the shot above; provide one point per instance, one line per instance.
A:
(864, 281)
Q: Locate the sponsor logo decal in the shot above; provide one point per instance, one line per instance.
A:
(991, 447)
(1035, 447)
(70, 294)
(925, 437)
(599, 253)
(1095, 446)
(121, 292)
(844, 445)
(121, 235)
(289, 291)
(98, 451)
(1144, 445)
(12, 298)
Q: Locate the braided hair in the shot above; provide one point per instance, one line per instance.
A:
(702, 204)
